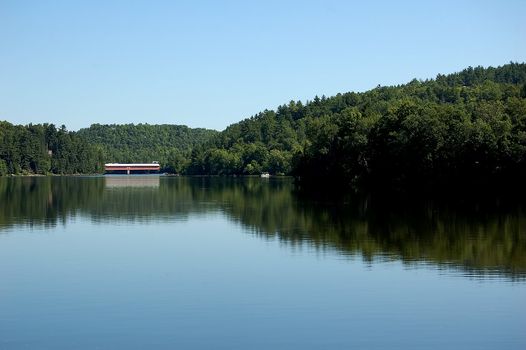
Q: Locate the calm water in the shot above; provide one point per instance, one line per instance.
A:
(149, 262)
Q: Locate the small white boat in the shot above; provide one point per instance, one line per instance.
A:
(265, 175)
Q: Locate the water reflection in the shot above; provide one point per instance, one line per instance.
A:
(482, 239)
(116, 181)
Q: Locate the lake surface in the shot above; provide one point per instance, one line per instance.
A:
(210, 263)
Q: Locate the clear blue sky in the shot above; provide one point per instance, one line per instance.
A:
(213, 63)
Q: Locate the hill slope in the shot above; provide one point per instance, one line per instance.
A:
(469, 125)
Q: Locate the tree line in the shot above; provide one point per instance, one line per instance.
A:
(469, 125)
(46, 149)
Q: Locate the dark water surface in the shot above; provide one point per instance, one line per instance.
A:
(189, 263)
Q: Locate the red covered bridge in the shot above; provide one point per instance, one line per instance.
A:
(132, 167)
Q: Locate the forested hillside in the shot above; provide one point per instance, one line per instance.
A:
(43, 149)
(170, 145)
(469, 125)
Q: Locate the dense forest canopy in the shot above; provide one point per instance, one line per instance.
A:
(44, 148)
(469, 125)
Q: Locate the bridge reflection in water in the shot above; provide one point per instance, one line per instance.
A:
(121, 181)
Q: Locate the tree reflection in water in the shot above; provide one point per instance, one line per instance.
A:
(482, 238)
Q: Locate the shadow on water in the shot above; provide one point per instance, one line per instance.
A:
(481, 236)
